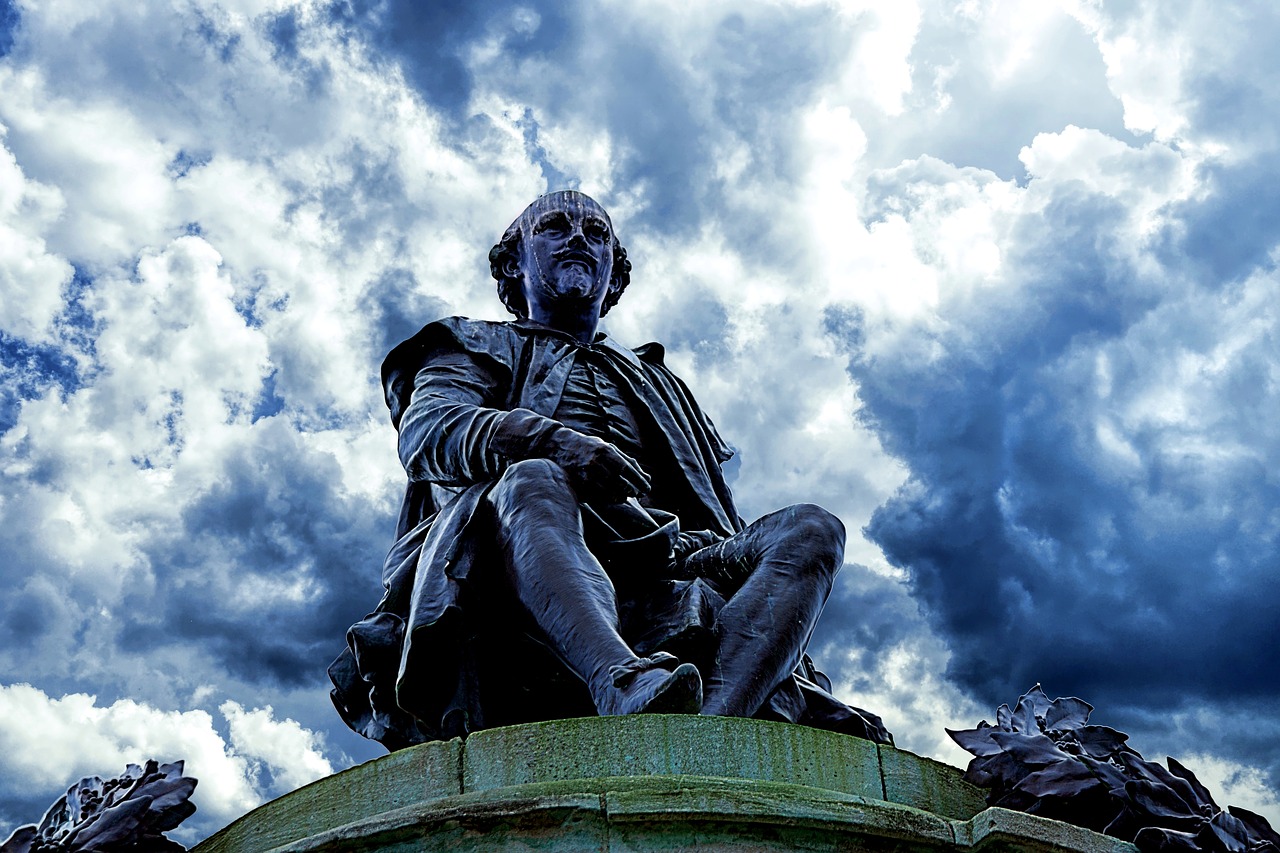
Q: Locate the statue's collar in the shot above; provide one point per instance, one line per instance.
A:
(601, 342)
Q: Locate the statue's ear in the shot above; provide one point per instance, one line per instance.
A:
(511, 265)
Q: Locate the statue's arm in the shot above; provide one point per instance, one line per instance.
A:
(453, 434)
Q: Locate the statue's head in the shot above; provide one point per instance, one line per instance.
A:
(561, 248)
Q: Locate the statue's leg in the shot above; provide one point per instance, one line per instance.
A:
(570, 598)
(789, 560)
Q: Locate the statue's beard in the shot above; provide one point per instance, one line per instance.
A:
(571, 283)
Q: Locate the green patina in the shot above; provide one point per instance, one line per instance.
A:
(647, 783)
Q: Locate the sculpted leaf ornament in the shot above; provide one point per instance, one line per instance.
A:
(126, 814)
(1042, 757)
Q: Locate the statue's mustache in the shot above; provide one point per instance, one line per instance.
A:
(579, 255)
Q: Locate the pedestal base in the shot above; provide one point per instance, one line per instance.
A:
(647, 783)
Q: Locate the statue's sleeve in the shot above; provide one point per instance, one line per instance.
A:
(452, 431)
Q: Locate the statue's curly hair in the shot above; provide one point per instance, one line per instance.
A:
(506, 252)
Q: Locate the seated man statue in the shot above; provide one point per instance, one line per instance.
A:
(567, 544)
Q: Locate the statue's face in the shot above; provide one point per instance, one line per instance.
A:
(566, 253)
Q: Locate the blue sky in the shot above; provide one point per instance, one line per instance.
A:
(993, 280)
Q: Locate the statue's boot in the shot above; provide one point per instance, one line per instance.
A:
(572, 601)
(658, 684)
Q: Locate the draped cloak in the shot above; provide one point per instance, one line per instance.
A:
(425, 664)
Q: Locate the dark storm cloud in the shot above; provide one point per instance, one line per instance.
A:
(32, 611)
(755, 71)
(696, 320)
(1236, 229)
(1138, 576)
(273, 562)
(867, 612)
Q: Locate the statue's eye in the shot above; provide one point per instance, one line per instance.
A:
(554, 224)
(596, 231)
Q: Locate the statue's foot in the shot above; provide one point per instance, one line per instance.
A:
(647, 687)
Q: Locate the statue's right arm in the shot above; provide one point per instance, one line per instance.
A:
(451, 432)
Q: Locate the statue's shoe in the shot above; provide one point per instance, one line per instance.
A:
(647, 687)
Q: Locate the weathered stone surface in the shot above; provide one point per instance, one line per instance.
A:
(928, 784)
(762, 810)
(526, 821)
(419, 774)
(648, 783)
(1004, 830)
(671, 745)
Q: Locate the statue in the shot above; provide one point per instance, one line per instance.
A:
(1044, 758)
(124, 814)
(567, 544)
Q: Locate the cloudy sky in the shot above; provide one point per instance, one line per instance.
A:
(994, 280)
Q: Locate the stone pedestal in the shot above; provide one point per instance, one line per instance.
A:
(647, 783)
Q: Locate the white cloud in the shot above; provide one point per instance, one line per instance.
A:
(261, 219)
(117, 192)
(878, 66)
(31, 278)
(1234, 783)
(1147, 81)
(47, 743)
(293, 754)
(1146, 180)
(905, 683)
(176, 369)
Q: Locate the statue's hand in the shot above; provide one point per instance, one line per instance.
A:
(596, 467)
(688, 541)
(686, 544)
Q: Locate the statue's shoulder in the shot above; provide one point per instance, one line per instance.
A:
(652, 353)
(492, 342)
(472, 335)
(478, 337)
(654, 356)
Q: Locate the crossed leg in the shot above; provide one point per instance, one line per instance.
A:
(571, 599)
(780, 570)
(777, 574)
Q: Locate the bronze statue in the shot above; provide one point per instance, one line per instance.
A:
(567, 544)
(125, 814)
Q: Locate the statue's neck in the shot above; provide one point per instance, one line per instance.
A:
(580, 327)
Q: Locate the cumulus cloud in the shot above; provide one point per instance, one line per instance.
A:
(291, 754)
(992, 280)
(31, 279)
(1083, 419)
(48, 743)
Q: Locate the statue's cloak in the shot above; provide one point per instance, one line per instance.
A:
(446, 652)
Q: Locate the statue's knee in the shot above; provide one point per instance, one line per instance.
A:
(817, 530)
(533, 472)
(530, 478)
